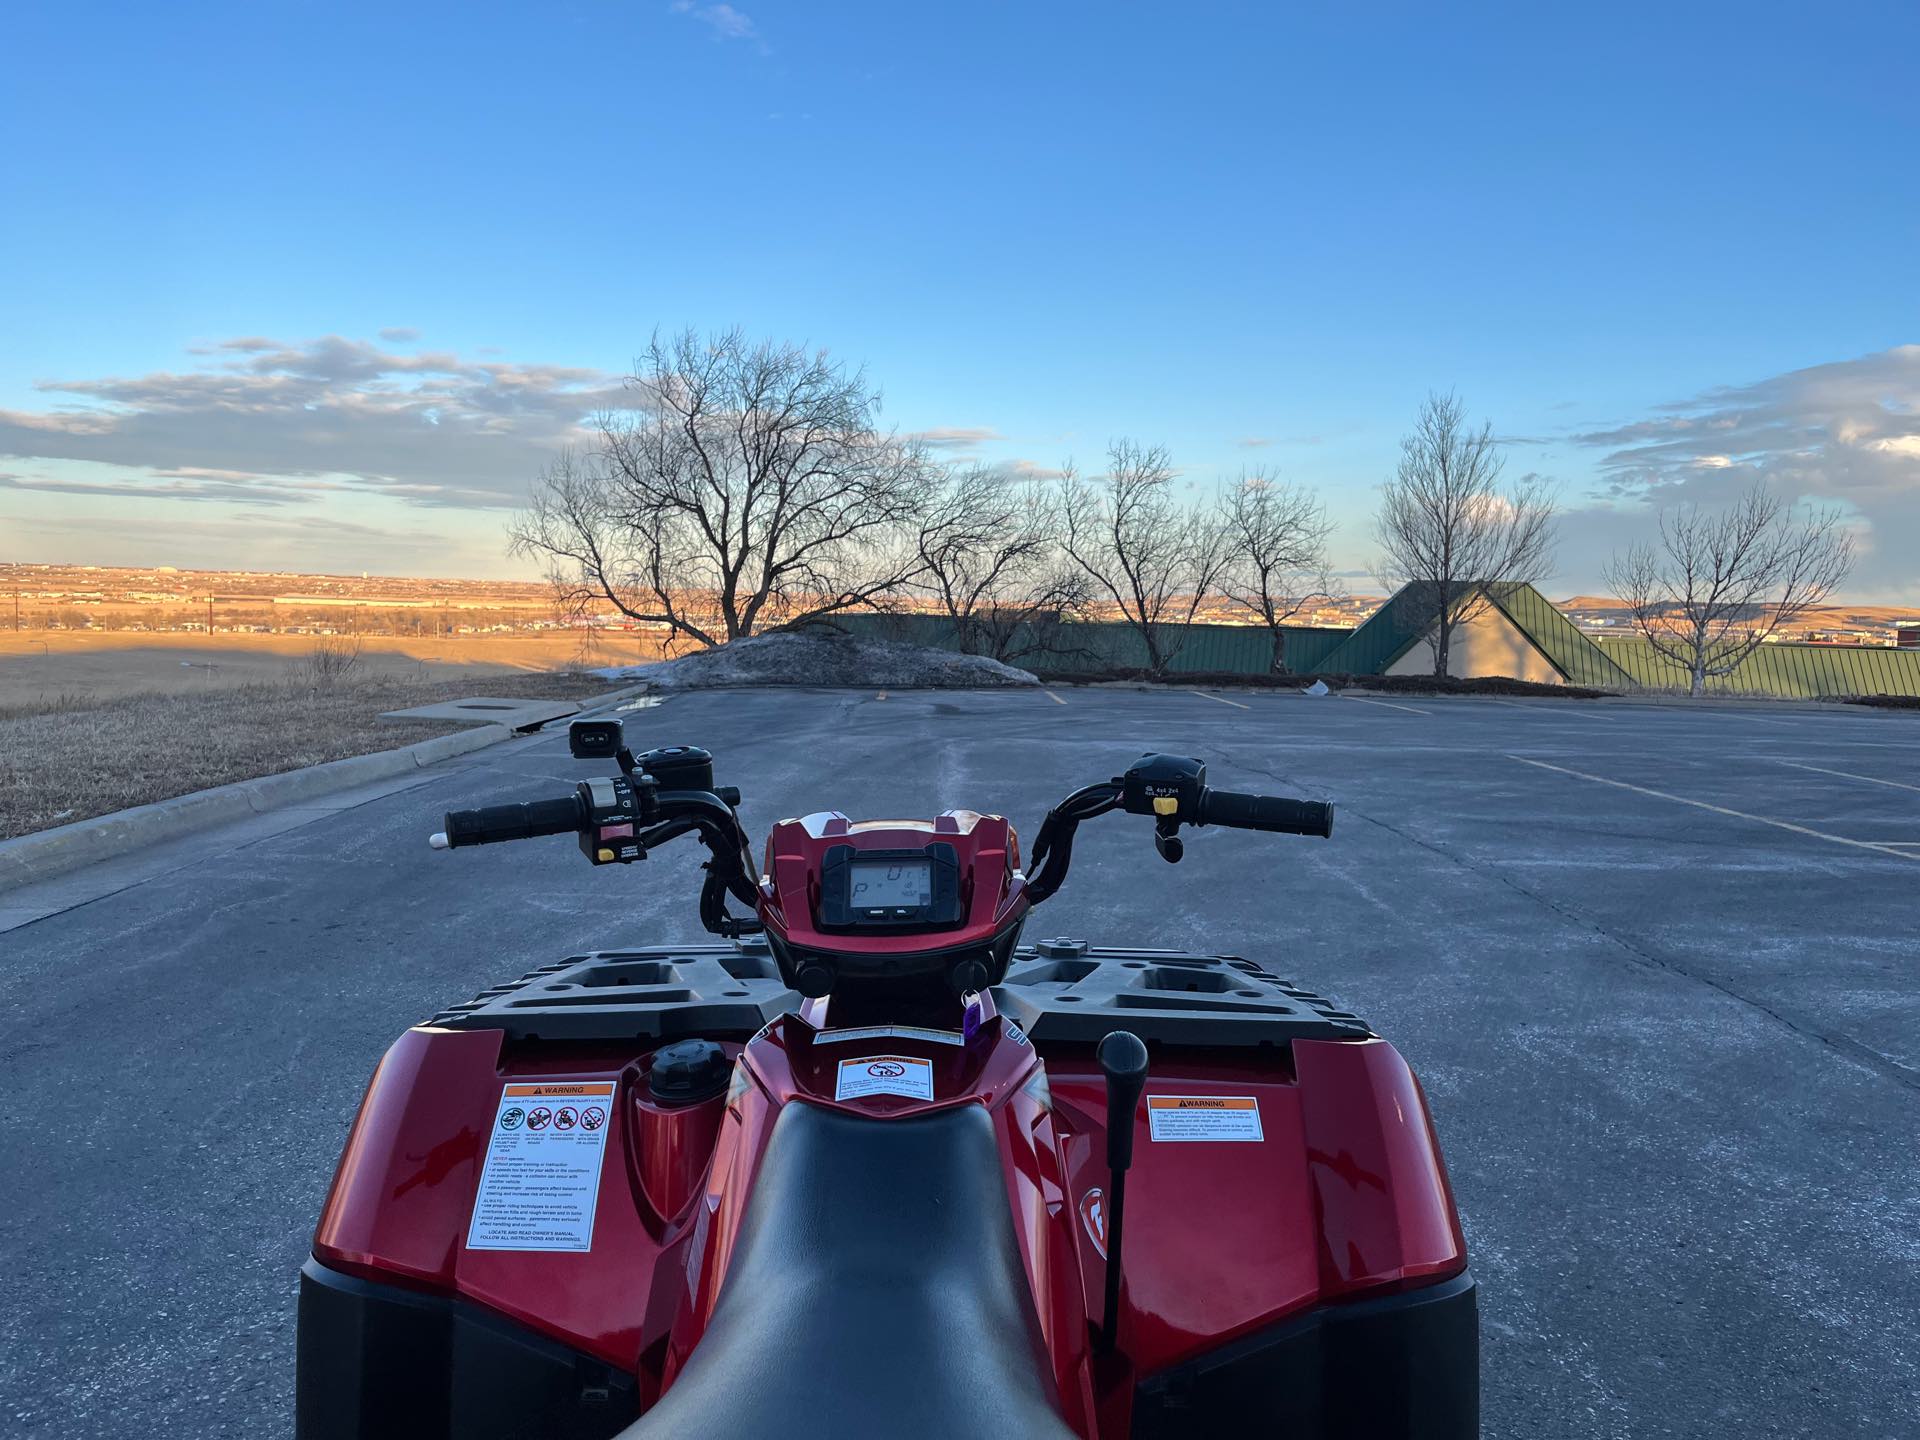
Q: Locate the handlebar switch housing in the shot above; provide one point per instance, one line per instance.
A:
(1167, 787)
(614, 814)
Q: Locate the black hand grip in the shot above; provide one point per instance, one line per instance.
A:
(492, 823)
(1274, 813)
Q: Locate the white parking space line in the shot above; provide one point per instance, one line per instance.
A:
(1221, 698)
(1883, 848)
(1053, 697)
(1849, 775)
(1410, 709)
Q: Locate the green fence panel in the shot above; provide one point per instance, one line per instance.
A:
(1800, 671)
(1110, 645)
(1807, 672)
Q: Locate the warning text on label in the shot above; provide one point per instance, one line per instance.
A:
(1203, 1117)
(542, 1177)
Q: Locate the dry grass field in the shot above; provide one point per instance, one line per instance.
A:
(100, 730)
(39, 665)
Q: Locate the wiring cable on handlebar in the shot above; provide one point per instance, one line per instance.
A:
(1053, 845)
(727, 866)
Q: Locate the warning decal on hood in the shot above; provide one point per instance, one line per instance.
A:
(905, 1075)
(1203, 1117)
(541, 1183)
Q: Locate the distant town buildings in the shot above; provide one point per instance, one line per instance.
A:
(162, 598)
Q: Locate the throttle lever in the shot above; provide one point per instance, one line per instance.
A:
(1166, 839)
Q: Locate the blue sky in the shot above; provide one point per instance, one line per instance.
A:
(1668, 250)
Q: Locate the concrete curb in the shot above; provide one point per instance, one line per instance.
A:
(45, 854)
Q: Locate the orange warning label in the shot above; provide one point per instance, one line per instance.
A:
(1203, 1117)
(599, 1090)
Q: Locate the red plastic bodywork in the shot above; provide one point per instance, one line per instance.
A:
(1344, 1195)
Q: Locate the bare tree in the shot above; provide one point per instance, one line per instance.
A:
(1276, 561)
(989, 552)
(1717, 587)
(1448, 528)
(750, 489)
(1156, 559)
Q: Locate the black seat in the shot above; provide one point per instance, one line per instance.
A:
(877, 1290)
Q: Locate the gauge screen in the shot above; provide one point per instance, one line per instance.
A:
(891, 884)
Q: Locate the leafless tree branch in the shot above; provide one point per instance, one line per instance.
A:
(1447, 528)
(1276, 566)
(1717, 587)
(989, 553)
(1155, 559)
(753, 490)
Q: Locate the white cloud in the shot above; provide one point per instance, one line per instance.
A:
(958, 438)
(266, 422)
(726, 22)
(1034, 470)
(1845, 433)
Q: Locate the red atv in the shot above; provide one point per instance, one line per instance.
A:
(870, 1168)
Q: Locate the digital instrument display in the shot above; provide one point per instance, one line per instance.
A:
(894, 892)
(891, 884)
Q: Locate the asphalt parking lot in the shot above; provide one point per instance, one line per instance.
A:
(1658, 966)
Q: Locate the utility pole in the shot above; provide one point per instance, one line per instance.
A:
(209, 612)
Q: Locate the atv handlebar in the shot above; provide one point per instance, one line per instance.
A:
(1173, 790)
(1276, 814)
(491, 824)
(669, 792)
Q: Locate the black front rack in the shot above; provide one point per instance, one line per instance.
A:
(1068, 992)
(712, 992)
(1059, 991)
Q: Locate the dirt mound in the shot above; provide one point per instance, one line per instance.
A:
(826, 658)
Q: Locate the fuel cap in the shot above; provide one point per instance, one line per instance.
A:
(688, 1071)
